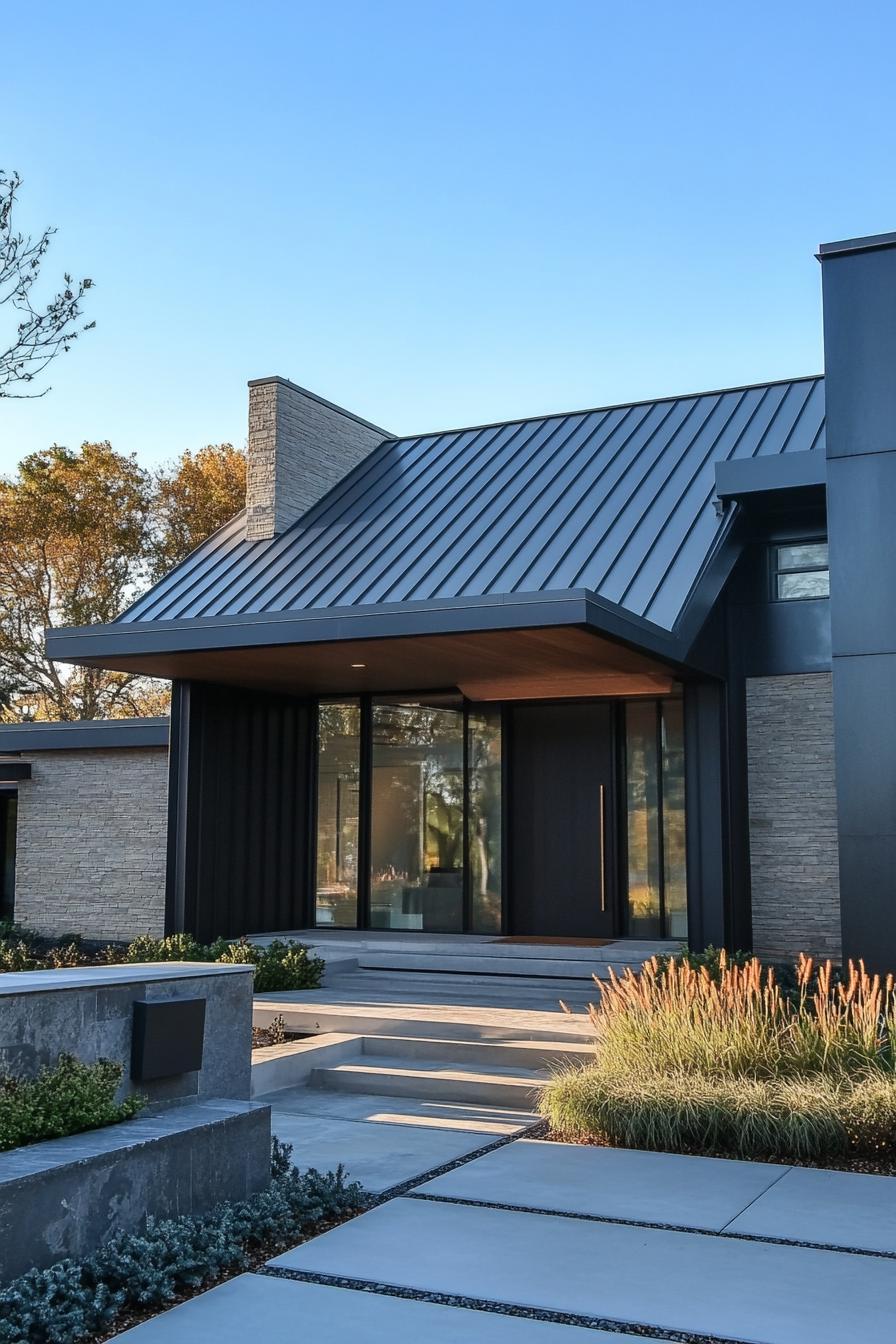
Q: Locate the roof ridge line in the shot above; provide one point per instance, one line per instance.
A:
(614, 406)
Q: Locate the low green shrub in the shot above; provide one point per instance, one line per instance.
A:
(174, 947)
(712, 1056)
(283, 965)
(77, 1300)
(17, 955)
(279, 966)
(66, 1098)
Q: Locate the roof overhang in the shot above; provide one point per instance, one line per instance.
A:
(79, 735)
(750, 476)
(95, 645)
(524, 646)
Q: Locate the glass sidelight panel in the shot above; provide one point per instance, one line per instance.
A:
(484, 760)
(417, 815)
(675, 868)
(642, 800)
(655, 819)
(338, 810)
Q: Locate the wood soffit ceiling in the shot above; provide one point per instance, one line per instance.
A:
(491, 665)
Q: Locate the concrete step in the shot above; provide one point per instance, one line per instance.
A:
(489, 964)
(541, 1056)
(432, 1080)
(452, 983)
(458, 1022)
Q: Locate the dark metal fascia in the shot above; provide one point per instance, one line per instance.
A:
(873, 242)
(760, 475)
(386, 621)
(84, 734)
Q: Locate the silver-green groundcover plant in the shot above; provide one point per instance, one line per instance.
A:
(78, 1300)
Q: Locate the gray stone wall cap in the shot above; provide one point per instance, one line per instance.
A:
(100, 977)
(33, 1158)
(313, 396)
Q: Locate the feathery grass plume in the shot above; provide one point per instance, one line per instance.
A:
(698, 1060)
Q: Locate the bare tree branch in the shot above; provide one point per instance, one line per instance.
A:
(40, 333)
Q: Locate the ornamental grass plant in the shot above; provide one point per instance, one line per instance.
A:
(689, 1060)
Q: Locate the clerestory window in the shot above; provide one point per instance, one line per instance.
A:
(800, 570)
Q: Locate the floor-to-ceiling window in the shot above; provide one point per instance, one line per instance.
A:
(409, 831)
(484, 825)
(338, 813)
(410, 803)
(654, 812)
(417, 815)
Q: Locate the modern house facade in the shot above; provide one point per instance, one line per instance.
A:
(615, 673)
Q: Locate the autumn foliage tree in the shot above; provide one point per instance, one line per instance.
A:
(82, 533)
(192, 499)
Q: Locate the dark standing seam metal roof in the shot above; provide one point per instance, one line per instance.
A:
(617, 501)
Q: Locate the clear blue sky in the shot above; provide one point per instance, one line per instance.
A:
(436, 214)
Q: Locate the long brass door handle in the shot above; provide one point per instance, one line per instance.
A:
(603, 879)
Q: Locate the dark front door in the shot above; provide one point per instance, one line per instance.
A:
(561, 821)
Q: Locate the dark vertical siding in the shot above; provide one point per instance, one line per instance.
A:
(706, 792)
(240, 811)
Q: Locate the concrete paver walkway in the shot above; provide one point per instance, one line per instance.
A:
(684, 1281)
(282, 1311)
(598, 1244)
(695, 1192)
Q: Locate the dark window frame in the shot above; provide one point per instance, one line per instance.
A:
(776, 572)
(9, 806)
(622, 818)
(365, 700)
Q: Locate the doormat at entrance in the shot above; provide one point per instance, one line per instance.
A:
(557, 942)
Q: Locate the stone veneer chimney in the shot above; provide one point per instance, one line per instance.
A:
(300, 446)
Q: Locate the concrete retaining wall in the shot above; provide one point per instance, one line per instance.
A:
(200, 1141)
(68, 1196)
(88, 1012)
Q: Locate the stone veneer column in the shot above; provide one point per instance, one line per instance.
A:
(793, 816)
(300, 446)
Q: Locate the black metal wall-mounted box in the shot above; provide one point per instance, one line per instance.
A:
(167, 1038)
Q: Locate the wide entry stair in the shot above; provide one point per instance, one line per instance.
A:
(484, 1072)
(395, 1075)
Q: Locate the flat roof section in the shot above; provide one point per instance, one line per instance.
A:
(84, 734)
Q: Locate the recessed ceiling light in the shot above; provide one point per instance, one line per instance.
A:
(359, 664)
